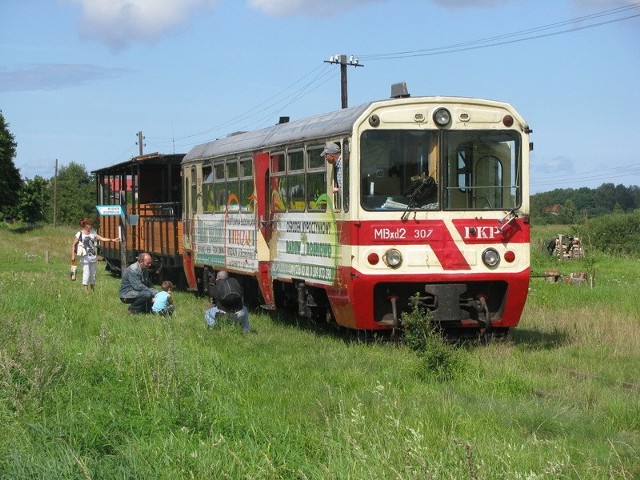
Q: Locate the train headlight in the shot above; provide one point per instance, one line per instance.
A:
(491, 257)
(442, 117)
(392, 258)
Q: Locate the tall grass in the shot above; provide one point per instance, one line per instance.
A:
(89, 392)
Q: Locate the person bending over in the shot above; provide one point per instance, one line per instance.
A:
(228, 298)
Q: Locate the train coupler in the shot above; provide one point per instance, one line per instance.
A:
(305, 300)
(484, 316)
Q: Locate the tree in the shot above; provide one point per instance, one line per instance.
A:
(10, 180)
(32, 199)
(569, 212)
(74, 193)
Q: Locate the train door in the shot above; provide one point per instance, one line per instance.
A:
(276, 195)
(190, 205)
(492, 176)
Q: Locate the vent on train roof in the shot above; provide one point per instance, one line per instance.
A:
(399, 90)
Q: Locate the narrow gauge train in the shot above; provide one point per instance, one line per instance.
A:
(433, 209)
(148, 189)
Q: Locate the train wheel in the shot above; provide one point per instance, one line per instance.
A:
(207, 277)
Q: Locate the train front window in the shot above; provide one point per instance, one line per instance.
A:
(482, 170)
(440, 170)
(399, 169)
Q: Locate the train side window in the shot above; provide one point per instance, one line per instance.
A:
(316, 180)
(296, 180)
(246, 185)
(219, 189)
(207, 188)
(277, 183)
(233, 188)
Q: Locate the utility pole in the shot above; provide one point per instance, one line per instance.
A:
(344, 62)
(140, 142)
(55, 194)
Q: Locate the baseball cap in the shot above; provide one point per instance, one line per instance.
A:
(330, 147)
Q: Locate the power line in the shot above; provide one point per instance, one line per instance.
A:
(270, 103)
(275, 103)
(529, 34)
(623, 171)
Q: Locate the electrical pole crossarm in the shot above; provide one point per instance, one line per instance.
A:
(351, 61)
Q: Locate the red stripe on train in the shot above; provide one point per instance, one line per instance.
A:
(430, 232)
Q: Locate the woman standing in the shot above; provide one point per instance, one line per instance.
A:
(87, 238)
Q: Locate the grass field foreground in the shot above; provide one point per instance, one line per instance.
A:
(87, 391)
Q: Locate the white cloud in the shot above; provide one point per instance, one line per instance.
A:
(605, 4)
(307, 7)
(120, 22)
(53, 76)
(468, 3)
(328, 7)
(559, 165)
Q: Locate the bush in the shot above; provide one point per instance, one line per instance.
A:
(438, 359)
(615, 234)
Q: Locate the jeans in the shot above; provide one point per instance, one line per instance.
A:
(210, 316)
(168, 310)
(141, 303)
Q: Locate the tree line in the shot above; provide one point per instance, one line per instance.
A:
(65, 198)
(568, 205)
(70, 195)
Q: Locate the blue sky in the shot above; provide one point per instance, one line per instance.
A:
(80, 78)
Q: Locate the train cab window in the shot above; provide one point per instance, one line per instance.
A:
(207, 188)
(233, 187)
(246, 185)
(399, 170)
(277, 183)
(316, 180)
(296, 180)
(483, 170)
(219, 187)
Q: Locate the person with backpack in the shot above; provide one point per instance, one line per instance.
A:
(84, 250)
(227, 298)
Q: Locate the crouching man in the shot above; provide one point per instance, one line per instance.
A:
(136, 288)
(227, 299)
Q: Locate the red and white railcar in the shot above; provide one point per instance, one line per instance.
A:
(433, 206)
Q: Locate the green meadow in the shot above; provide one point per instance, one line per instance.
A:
(89, 392)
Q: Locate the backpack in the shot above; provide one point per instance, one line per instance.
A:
(80, 250)
(229, 294)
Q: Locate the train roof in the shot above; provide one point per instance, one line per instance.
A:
(318, 126)
(148, 159)
(323, 126)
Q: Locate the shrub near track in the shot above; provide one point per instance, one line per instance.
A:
(89, 392)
